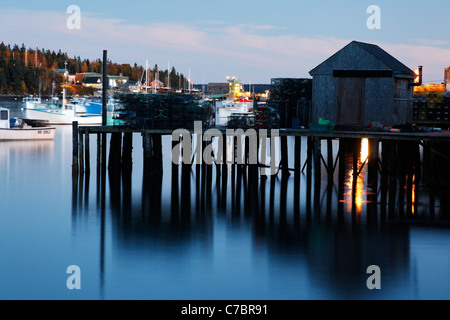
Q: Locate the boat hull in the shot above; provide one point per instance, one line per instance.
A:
(55, 117)
(44, 133)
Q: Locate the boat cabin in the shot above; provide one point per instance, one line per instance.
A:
(32, 99)
(5, 121)
(4, 118)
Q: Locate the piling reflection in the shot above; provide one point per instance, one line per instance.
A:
(368, 187)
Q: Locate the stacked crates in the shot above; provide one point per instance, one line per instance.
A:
(446, 107)
(431, 107)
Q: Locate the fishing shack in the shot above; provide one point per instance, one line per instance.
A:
(360, 84)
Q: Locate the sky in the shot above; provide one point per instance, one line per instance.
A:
(251, 40)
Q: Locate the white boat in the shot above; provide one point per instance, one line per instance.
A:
(22, 132)
(63, 116)
(226, 108)
(31, 102)
(237, 102)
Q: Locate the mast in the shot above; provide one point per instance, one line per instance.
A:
(168, 74)
(146, 76)
(189, 81)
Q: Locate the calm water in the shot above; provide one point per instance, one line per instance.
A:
(137, 246)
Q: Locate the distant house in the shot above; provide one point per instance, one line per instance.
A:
(92, 82)
(114, 81)
(218, 88)
(130, 86)
(360, 84)
(156, 84)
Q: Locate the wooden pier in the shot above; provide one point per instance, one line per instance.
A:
(396, 162)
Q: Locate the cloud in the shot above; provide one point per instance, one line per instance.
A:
(433, 59)
(212, 48)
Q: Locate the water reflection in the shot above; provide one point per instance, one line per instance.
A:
(176, 215)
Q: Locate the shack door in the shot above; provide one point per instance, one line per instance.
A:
(350, 94)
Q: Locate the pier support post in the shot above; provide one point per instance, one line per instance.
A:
(373, 176)
(341, 177)
(87, 153)
(81, 151)
(317, 172)
(297, 171)
(127, 151)
(115, 152)
(284, 156)
(330, 163)
(393, 171)
(75, 147)
(309, 174)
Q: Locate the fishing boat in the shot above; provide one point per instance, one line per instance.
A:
(66, 115)
(15, 129)
(95, 105)
(63, 116)
(237, 102)
(31, 102)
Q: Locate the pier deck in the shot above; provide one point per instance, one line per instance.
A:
(443, 135)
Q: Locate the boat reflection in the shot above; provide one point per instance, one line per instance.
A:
(15, 151)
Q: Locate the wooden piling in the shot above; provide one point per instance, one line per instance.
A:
(175, 188)
(224, 171)
(372, 177)
(87, 154)
(105, 88)
(115, 151)
(81, 151)
(309, 151)
(341, 177)
(284, 156)
(99, 154)
(393, 178)
(330, 162)
(75, 147)
(317, 172)
(432, 183)
(127, 151)
(147, 149)
(297, 172)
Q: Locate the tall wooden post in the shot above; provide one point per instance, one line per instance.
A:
(105, 88)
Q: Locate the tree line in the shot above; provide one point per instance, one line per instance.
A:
(26, 71)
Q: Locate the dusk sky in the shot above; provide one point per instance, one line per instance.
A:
(252, 40)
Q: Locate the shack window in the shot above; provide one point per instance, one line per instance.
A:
(3, 115)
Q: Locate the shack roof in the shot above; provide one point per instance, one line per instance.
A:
(380, 60)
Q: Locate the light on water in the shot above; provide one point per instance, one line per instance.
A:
(217, 241)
